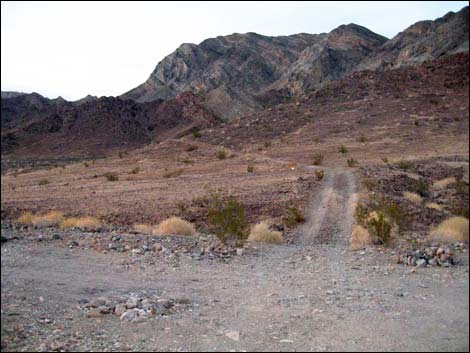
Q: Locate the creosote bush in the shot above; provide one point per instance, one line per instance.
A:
(317, 158)
(351, 162)
(111, 176)
(43, 182)
(406, 165)
(250, 169)
(294, 217)
(228, 220)
(343, 149)
(261, 233)
(221, 154)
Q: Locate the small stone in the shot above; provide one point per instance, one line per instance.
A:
(119, 309)
(132, 303)
(104, 309)
(130, 315)
(440, 251)
(432, 262)
(233, 335)
(157, 247)
(240, 252)
(137, 251)
(56, 236)
(421, 263)
(72, 244)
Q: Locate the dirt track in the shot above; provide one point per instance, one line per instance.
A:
(313, 295)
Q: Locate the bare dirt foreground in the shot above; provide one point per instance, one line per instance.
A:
(312, 295)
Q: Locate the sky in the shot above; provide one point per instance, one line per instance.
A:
(72, 49)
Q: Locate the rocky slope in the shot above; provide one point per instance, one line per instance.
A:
(240, 73)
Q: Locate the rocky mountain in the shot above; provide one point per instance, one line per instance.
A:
(240, 73)
(53, 128)
(422, 41)
(11, 94)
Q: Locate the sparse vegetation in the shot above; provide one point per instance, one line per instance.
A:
(191, 148)
(406, 165)
(88, 222)
(294, 217)
(228, 220)
(261, 233)
(250, 169)
(111, 176)
(221, 154)
(434, 205)
(196, 133)
(343, 149)
(267, 144)
(182, 207)
(49, 219)
(144, 228)
(172, 173)
(380, 226)
(317, 158)
(444, 183)
(319, 174)
(43, 182)
(369, 184)
(422, 188)
(351, 162)
(360, 237)
(361, 139)
(26, 218)
(136, 170)
(385, 160)
(454, 229)
(175, 226)
(413, 197)
(86, 165)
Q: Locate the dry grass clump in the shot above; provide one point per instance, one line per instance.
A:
(454, 229)
(175, 226)
(144, 228)
(434, 206)
(261, 233)
(360, 237)
(49, 219)
(443, 183)
(88, 222)
(173, 173)
(413, 197)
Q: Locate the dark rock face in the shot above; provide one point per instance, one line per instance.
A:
(39, 126)
(422, 41)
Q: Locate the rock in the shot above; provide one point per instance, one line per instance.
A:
(240, 252)
(233, 335)
(157, 247)
(132, 303)
(432, 262)
(183, 301)
(96, 303)
(440, 251)
(119, 309)
(130, 315)
(104, 309)
(73, 243)
(137, 251)
(421, 263)
(56, 236)
(163, 306)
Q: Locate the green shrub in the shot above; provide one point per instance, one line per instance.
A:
(317, 158)
(228, 221)
(294, 217)
(406, 165)
(196, 133)
(362, 139)
(221, 154)
(111, 176)
(250, 169)
(422, 188)
(43, 182)
(380, 227)
(86, 165)
(385, 160)
(351, 162)
(343, 149)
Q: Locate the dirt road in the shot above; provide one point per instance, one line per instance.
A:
(313, 295)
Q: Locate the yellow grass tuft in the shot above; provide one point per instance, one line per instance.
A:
(434, 206)
(443, 183)
(90, 223)
(49, 219)
(413, 197)
(454, 229)
(26, 218)
(144, 228)
(175, 226)
(261, 233)
(360, 237)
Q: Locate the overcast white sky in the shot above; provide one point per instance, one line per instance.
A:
(73, 49)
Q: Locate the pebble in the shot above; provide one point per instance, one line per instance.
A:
(233, 335)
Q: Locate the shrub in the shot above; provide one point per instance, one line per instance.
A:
(454, 229)
(462, 188)
(406, 165)
(43, 182)
(228, 220)
(267, 144)
(294, 217)
(385, 160)
(413, 197)
(86, 165)
(26, 218)
(172, 174)
(319, 174)
(343, 149)
(422, 188)
(182, 207)
(144, 228)
(317, 158)
(136, 170)
(221, 154)
(362, 139)
(250, 169)
(434, 205)
(351, 162)
(111, 176)
(49, 219)
(369, 183)
(175, 226)
(196, 133)
(191, 148)
(261, 233)
(121, 154)
(360, 237)
(444, 183)
(380, 226)
(88, 222)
